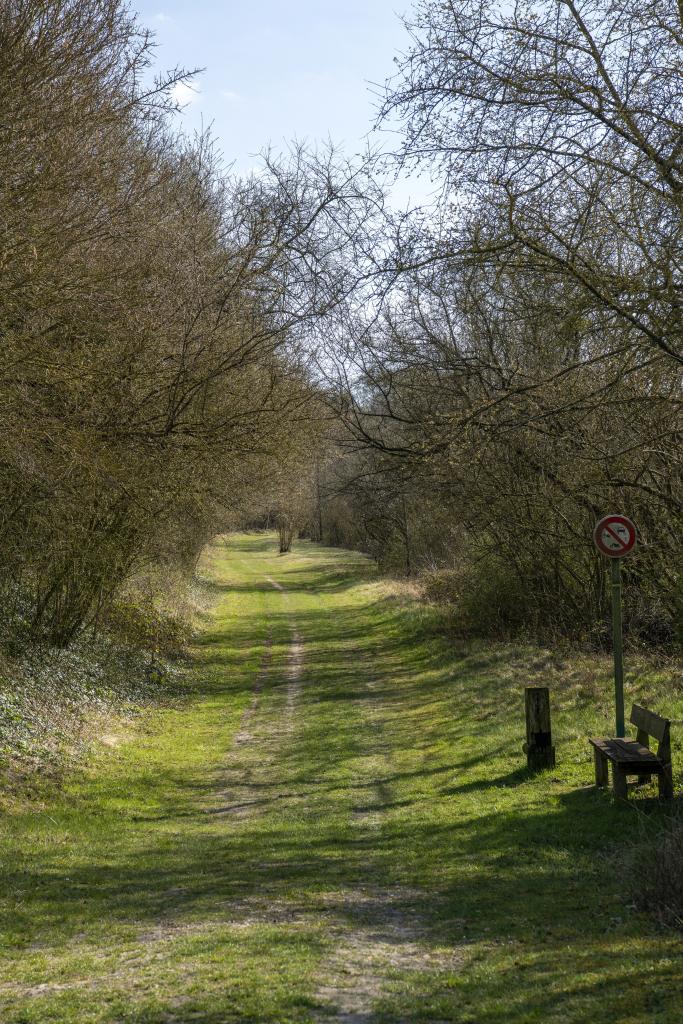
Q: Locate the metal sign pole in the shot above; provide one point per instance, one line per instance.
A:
(615, 536)
(617, 646)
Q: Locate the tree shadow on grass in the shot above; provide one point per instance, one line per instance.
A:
(526, 892)
(517, 777)
(479, 872)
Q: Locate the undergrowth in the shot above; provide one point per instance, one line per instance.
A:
(55, 703)
(653, 867)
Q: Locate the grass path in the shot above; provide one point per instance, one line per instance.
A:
(330, 824)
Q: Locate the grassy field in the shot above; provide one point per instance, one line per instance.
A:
(332, 822)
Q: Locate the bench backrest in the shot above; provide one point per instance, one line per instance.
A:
(649, 724)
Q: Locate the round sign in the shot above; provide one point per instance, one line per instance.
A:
(614, 536)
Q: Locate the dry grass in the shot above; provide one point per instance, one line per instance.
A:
(654, 874)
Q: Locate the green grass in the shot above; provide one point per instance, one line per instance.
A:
(195, 874)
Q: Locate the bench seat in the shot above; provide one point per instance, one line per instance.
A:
(633, 755)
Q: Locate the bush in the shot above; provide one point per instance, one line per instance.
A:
(486, 599)
(146, 627)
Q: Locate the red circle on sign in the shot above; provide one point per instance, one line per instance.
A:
(614, 536)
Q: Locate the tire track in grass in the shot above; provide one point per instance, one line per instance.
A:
(295, 658)
(379, 932)
(258, 741)
(239, 797)
(244, 734)
(375, 931)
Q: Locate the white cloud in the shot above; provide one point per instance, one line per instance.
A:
(183, 93)
(228, 94)
(163, 19)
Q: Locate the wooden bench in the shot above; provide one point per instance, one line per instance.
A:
(634, 757)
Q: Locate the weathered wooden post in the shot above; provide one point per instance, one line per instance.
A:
(539, 749)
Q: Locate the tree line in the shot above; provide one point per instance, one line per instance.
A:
(151, 310)
(518, 373)
(460, 390)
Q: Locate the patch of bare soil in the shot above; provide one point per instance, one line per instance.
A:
(295, 660)
(378, 932)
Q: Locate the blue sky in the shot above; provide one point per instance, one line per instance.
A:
(275, 71)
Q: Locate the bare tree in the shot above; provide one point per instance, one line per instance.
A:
(154, 311)
(564, 118)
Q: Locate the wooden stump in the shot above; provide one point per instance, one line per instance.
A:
(540, 752)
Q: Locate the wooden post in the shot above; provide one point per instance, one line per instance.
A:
(601, 771)
(619, 783)
(666, 783)
(540, 752)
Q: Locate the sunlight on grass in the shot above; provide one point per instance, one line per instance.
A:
(160, 887)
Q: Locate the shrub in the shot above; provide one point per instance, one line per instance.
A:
(486, 600)
(144, 626)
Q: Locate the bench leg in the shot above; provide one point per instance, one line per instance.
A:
(619, 783)
(666, 783)
(601, 775)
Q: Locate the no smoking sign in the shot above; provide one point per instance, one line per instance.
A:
(614, 536)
